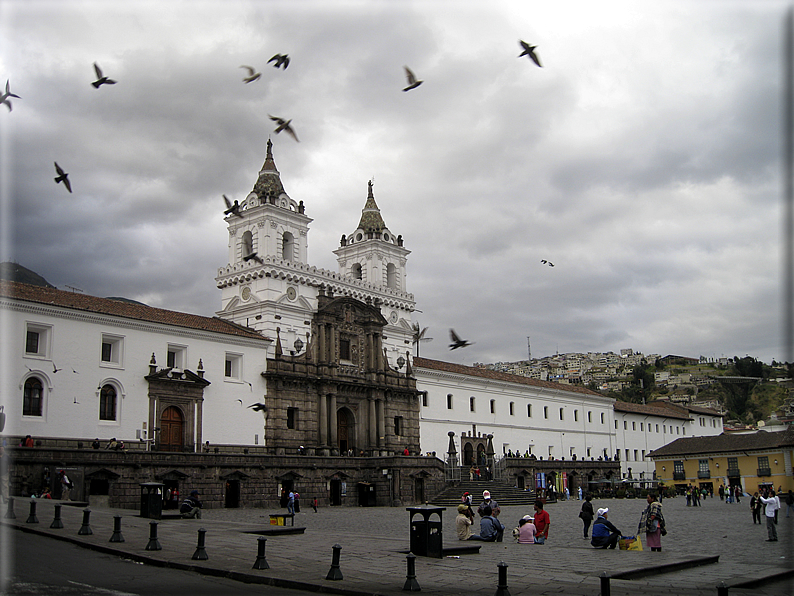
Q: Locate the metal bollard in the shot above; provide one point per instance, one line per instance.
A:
(501, 588)
(261, 562)
(201, 553)
(335, 573)
(153, 544)
(57, 523)
(116, 537)
(411, 585)
(32, 519)
(10, 511)
(85, 529)
(722, 589)
(604, 584)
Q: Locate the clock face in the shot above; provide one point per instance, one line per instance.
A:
(393, 317)
(292, 293)
(246, 293)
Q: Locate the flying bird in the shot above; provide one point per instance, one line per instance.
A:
(241, 401)
(529, 51)
(258, 407)
(232, 208)
(54, 369)
(75, 401)
(412, 82)
(252, 74)
(456, 341)
(281, 60)
(283, 125)
(545, 262)
(255, 257)
(4, 97)
(101, 79)
(62, 177)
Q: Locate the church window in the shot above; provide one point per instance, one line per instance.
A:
(391, 276)
(576, 415)
(589, 416)
(36, 340)
(546, 412)
(292, 418)
(493, 406)
(107, 403)
(602, 418)
(424, 399)
(356, 271)
(248, 243)
(32, 398)
(176, 356)
(233, 366)
(344, 349)
(449, 401)
(512, 408)
(529, 410)
(288, 246)
(398, 425)
(111, 349)
(561, 414)
(32, 342)
(471, 404)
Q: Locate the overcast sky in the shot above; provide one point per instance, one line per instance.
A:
(643, 159)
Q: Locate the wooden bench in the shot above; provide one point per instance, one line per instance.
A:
(280, 519)
(277, 531)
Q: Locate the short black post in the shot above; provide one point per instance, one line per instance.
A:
(201, 552)
(57, 523)
(85, 529)
(10, 511)
(411, 585)
(117, 537)
(335, 573)
(605, 591)
(32, 519)
(154, 544)
(261, 562)
(722, 589)
(501, 588)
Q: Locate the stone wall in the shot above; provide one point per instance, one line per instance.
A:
(407, 480)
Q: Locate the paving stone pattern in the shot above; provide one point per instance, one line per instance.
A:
(375, 540)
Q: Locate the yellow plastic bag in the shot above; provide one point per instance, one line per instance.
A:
(630, 543)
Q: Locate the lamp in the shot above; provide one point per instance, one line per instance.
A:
(298, 345)
(663, 468)
(400, 362)
(775, 462)
(718, 465)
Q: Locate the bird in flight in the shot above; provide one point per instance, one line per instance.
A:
(545, 262)
(4, 97)
(258, 407)
(55, 369)
(412, 82)
(252, 74)
(456, 341)
(255, 257)
(281, 60)
(232, 208)
(529, 51)
(283, 125)
(62, 177)
(101, 79)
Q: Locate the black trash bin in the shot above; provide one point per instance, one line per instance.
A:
(426, 537)
(152, 500)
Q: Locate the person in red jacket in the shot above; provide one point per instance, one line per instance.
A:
(542, 523)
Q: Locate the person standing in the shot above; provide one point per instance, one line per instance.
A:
(291, 503)
(605, 534)
(66, 486)
(652, 523)
(580, 493)
(789, 502)
(542, 523)
(722, 492)
(738, 494)
(314, 504)
(769, 510)
(191, 507)
(755, 508)
(297, 502)
(587, 514)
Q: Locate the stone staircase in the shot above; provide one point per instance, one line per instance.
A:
(501, 492)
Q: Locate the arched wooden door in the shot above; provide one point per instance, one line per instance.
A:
(171, 423)
(345, 430)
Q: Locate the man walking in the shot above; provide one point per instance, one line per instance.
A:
(66, 486)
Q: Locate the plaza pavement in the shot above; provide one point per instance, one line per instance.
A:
(375, 541)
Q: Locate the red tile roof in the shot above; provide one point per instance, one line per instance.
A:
(123, 309)
(648, 410)
(727, 443)
(499, 376)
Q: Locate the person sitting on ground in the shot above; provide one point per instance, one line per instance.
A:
(491, 529)
(490, 503)
(463, 524)
(95, 444)
(605, 534)
(542, 522)
(112, 444)
(526, 530)
(191, 507)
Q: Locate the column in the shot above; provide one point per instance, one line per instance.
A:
(381, 423)
(321, 349)
(373, 425)
(322, 420)
(333, 423)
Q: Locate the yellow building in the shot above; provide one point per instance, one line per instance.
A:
(752, 461)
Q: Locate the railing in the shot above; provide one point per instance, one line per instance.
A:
(764, 472)
(702, 474)
(452, 470)
(733, 472)
(499, 468)
(679, 475)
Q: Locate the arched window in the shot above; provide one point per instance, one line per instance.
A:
(391, 276)
(287, 246)
(248, 243)
(32, 400)
(107, 403)
(356, 271)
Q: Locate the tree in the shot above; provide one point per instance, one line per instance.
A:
(418, 335)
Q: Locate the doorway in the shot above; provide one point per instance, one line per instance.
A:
(232, 500)
(335, 498)
(171, 429)
(345, 431)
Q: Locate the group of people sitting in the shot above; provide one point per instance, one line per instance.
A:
(531, 530)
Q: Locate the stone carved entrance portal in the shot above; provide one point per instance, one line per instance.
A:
(171, 433)
(345, 430)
